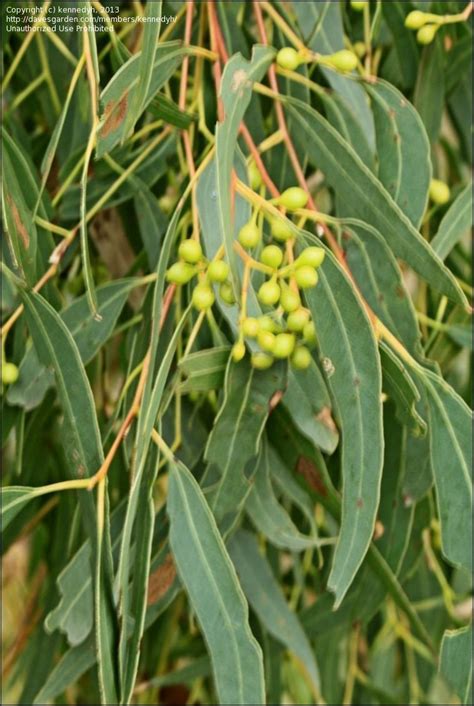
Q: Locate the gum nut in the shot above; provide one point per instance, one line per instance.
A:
(190, 251)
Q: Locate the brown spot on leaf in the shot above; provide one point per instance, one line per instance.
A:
(379, 530)
(19, 225)
(360, 503)
(161, 580)
(114, 115)
(239, 79)
(400, 292)
(306, 468)
(325, 417)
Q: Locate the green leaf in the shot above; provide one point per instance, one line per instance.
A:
(235, 436)
(340, 114)
(321, 25)
(133, 598)
(74, 613)
(461, 335)
(456, 662)
(83, 447)
(72, 665)
(308, 403)
(19, 226)
(221, 608)
(352, 365)
(403, 149)
(266, 513)
(450, 430)
(14, 499)
(429, 90)
(404, 41)
(381, 282)
(236, 91)
(399, 386)
(139, 92)
(89, 335)
(115, 98)
(267, 600)
(366, 198)
(455, 224)
(204, 370)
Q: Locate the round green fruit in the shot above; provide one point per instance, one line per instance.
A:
(218, 271)
(293, 198)
(180, 273)
(266, 323)
(190, 251)
(238, 351)
(439, 192)
(301, 358)
(249, 236)
(250, 327)
(266, 340)
(311, 256)
(426, 34)
(280, 230)
(359, 5)
(255, 178)
(261, 361)
(226, 293)
(284, 345)
(415, 19)
(290, 300)
(9, 373)
(343, 60)
(306, 277)
(288, 58)
(271, 256)
(269, 293)
(309, 333)
(202, 297)
(297, 320)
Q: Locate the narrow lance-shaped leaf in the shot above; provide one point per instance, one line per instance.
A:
(455, 224)
(366, 198)
(403, 149)
(266, 513)
(221, 608)
(350, 359)
(84, 449)
(236, 91)
(267, 599)
(235, 437)
(139, 92)
(115, 98)
(456, 662)
(450, 431)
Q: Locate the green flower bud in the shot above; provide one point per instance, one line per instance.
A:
(426, 34)
(309, 333)
(269, 293)
(180, 273)
(238, 351)
(312, 256)
(280, 230)
(297, 320)
(290, 300)
(202, 297)
(293, 198)
(343, 60)
(249, 235)
(439, 192)
(415, 19)
(271, 256)
(255, 178)
(288, 58)
(306, 277)
(301, 358)
(218, 271)
(9, 373)
(226, 293)
(190, 251)
(284, 345)
(250, 327)
(358, 5)
(261, 361)
(266, 340)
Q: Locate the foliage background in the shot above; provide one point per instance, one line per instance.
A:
(229, 586)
